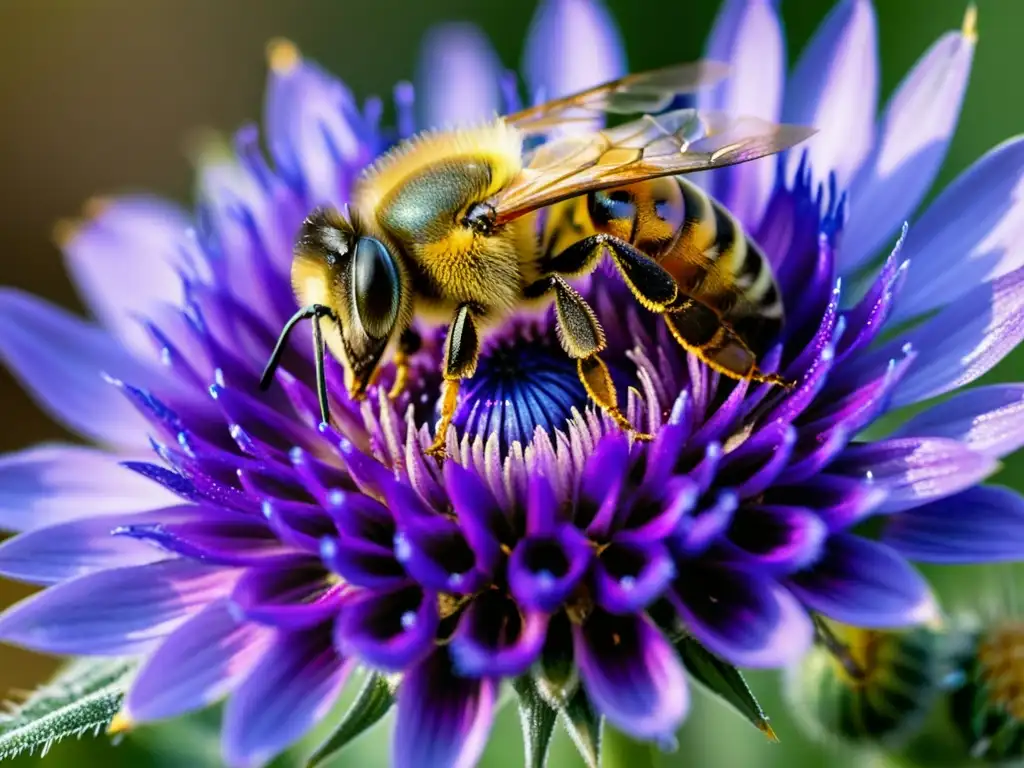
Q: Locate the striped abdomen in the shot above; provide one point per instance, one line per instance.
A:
(692, 236)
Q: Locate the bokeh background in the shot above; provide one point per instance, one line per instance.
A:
(100, 96)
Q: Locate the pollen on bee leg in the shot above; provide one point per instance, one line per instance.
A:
(283, 55)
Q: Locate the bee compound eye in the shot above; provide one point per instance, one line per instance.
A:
(376, 287)
(480, 218)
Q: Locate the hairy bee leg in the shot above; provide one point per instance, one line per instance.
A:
(649, 282)
(699, 330)
(583, 339)
(313, 312)
(460, 356)
(408, 345)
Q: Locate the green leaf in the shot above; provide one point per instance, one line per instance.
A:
(725, 682)
(371, 704)
(84, 697)
(537, 718)
(584, 727)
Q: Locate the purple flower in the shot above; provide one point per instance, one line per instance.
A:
(245, 552)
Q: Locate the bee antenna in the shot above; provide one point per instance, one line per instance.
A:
(314, 312)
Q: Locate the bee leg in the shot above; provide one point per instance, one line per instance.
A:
(460, 357)
(408, 345)
(700, 331)
(649, 282)
(583, 339)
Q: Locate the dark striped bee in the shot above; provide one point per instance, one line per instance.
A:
(465, 226)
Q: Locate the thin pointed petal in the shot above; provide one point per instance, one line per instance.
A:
(572, 45)
(632, 674)
(834, 88)
(865, 584)
(52, 484)
(748, 36)
(291, 690)
(969, 235)
(988, 420)
(125, 263)
(116, 611)
(200, 662)
(443, 720)
(913, 136)
(61, 360)
(458, 77)
(981, 525)
(964, 340)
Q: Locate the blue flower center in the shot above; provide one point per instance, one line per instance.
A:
(520, 384)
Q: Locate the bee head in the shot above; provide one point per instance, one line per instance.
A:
(358, 277)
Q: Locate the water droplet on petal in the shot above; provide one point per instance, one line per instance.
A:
(456, 579)
(408, 620)
(627, 583)
(403, 549)
(545, 579)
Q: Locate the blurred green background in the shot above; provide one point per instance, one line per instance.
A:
(98, 96)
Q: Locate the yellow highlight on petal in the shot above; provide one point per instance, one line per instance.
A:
(283, 55)
(970, 26)
(120, 724)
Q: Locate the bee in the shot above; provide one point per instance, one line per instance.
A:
(465, 226)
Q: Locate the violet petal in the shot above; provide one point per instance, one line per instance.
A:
(865, 584)
(979, 525)
(745, 618)
(632, 674)
(443, 719)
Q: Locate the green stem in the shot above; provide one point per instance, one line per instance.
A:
(621, 751)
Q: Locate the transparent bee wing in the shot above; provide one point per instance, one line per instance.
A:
(681, 141)
(644, 92)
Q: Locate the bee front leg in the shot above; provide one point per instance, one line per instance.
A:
(408, 345)
(649, 282)
(583, 339)
(460, 356)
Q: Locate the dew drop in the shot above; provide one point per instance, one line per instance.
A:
(408, 620)
(628, 583)
(403, 549)
(545, 579)
(455, 580)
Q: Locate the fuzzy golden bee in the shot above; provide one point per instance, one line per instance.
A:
(465, 226)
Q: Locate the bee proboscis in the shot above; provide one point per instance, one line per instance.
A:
(465, 226)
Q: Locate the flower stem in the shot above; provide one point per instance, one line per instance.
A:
(621, 751)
